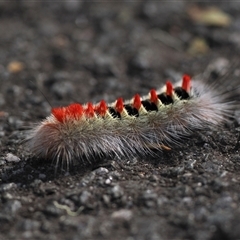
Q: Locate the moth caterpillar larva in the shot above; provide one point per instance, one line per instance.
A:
(127, 128)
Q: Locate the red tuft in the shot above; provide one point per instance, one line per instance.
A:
(169, 90)
(102, 108)
(89, 111)
(186, 83)
(59, 113)
(74, 111)
(119, 105)
(153, 96)
(137, 101)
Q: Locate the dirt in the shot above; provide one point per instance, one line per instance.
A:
(55, 53)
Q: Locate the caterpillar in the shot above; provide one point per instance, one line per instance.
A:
(128, 128)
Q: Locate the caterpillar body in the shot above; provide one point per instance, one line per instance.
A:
(127, 128)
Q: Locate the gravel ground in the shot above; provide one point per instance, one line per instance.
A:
(52, 54)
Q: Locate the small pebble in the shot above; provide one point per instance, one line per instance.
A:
(122, 214)
(15, 67)
(101, 171)
(117, 191)
(29, 225)
(85, 196)
(42, 176)
(62, 89)
(12, 158)
(7, 186)
(12, 206)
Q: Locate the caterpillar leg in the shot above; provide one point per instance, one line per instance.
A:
(157, 146)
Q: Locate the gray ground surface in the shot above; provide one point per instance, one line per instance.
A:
(87, 52)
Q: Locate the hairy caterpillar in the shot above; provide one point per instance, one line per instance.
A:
(126, 128)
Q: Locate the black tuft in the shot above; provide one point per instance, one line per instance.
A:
(149, 106)
(182, 94)
(165, 99)
(114, 113)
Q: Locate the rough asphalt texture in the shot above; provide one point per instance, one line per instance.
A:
(75, 51)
